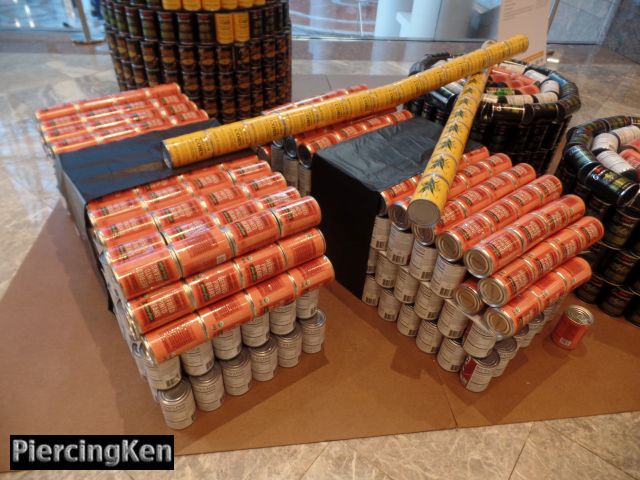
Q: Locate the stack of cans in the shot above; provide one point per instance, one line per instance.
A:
(73, 126)
(293, 155)
(232, 59)
(524, 112)
(601, 165)
(223, 263)
(481, 283)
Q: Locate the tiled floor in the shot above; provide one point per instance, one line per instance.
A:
(605, 447)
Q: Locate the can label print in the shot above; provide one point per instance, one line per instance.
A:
(261, 264)
(298, 216)
(399, 246)
(176, 337)
(451, 355)
(254, 232)
(478, 341)
(303, 247)
(389, 306)
(452, 321)
(446, 277)
(428, 304)
(386, 272)
(256, 331)
(178, 213)
(205, 250)
(208, 389)
(380, 233)
(476, 373)
(198, 360)
(423, 261)
(226, 314)
(163, 375)
(159, 307)
(136, 226)
(311, 275)
(223, 197)
(208, 178)
(408, 321)
(186, 230)
(307, 304)
(546, 256)
(272, 293)
(371, 291)
(429, 337)
(214, 284)
(453, 243)
(134, 247)
(237, 212)
(406, 286)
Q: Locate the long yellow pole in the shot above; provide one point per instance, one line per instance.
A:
(432, 190)
(197, 146)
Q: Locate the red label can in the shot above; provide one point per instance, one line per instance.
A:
(261, 264)
(279, 198)
(501, 213)
(571, 327)
(498, 162)
(550, 288)
(590, 230)
(262, 186)
(204, 250)
(516, 314)
(498, 187)
(146, 272)
(179, 213)
(520, 174)
(215, 283)
(272, 293)
(401, 190)
(548, 187)
(476, 199)
(544, 257)
(302, 247)
(474, 156)
(156, 199)
(186, 230)
(159, 307)
(313, 274)
(223, 197)
(297, 216)
(239, 162)
(227, 314)
(175, 338)
(237, 212)
(575, 272)
(452, 213)
(207, 178)
(158, 185)
(103, 214)
(253, 232)
(508, 282)
(119, 232)
(136, 246)
(567, 242)
(475, 174)
(250, 172)
(526, 199)
(459, 185)
(531, 228)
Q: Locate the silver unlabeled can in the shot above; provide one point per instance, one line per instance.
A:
(446, 277)
(476, 373)
(228, 344)
(478, 341)
(236, 373)
(290, 347)
(423, 261)
(408, 322)
(283, 318)
(208, 389)
(307, 304)
(164, 375)
(256, 331)
(507, 349)
(264, 360)
(386, 271)
(290, 170)
(452, 321)
(380, 233)
(429, 337)
(428, 304)
(406, 286)
(178, 405)
(313, 332)
(198, 360)
(400, 245)
(372, 260)
(451, 354)
(371, 291)
(524, 336)
(389, 306)
(304, 179)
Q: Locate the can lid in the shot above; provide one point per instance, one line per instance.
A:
(492, 291)
(213, 375)
(580, 314)
(237, 361)
(523, 332)
(175, 394)
(507, 345)
(293, 335)
(491, 360)
(319, 319)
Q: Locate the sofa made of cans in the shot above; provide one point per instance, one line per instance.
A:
(601, 164)
(524, 112)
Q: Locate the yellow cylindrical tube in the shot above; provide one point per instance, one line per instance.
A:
(204, 144)
(432, 190)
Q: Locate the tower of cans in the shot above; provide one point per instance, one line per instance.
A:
(214, 277)
(485, 280)
(524, 112)
(293, 155)
(73, 126)
(231, 57)
(601, 165)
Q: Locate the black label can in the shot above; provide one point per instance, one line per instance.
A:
(133, 22)
(206, 33)
(224, 58)
(149, 25)
(166, 26)
(187, 55)
(618, 231)
(619, 268)
(615, 300)
(590, 292)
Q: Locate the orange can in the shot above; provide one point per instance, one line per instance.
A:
(186, 230)
(236, 212)
(261, 265)
(498, 162)
(204, 250)
(250, 172)
(179, 213)
(281, 197)
(453, 213)
(169, 182)
(156, 199)
(352, 131)
(297, 216)
(303, 247)
(239, 162)
(506, 283)
(103, 214)
(567, 241)
(214, 284)
(549, 289)
(548, 187)
(175, 338)
(399, 116)
(459, 238)
(253, 232)
(544, 258)
(223, 197)
(575, 272)
(475, 199)
(119, 232)
(144, 273)
(494, 252)
(311, 275)
(510, 318)
(227, 314)
(307, 149)
(397, 192)
(133, 247)
(159, 307)
(209, 177)
(377, 122)
(498, 186)
(259, 187)
(77, 142)
(271, 293)
(520, 174)
(526, 199)
(474, 156)
(476, 173)
(460, 184)
(532, 228)
(590, 230)
(501, 213)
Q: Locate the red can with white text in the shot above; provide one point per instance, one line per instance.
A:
(250, 172)
(262, 186)
(179, 213)
(186, 230)
(204, 250)
(158, 185)
(493, 253)
(104, 214)
(227, 314)
(507, 282)
(572, 326)
(510, 318)
(474, 156)
(262, 264)
(281, 197)
(236, 212)
(156, 199)
(146, 272)
(544, 257)
(460, 185)
(498, 187)
(224, 197)
(238, 162)
(452, 213)
(547, 187)
(297, 216)
(159, 307)
(313, 274)
(135, 246)
(303, 247)
(271, 293)
(475, 199)
(214, 284)
(590, 229)
(209, 177)
(520, 174)
(459, 238)
(119, 232)
(253, 232)
(532, 228)
(175, 338)
(498, 162)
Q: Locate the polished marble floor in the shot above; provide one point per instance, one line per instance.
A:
(607, 447)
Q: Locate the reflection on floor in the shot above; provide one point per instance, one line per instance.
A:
(596, 447)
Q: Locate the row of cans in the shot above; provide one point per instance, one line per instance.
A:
(206, 27)
(527, 127)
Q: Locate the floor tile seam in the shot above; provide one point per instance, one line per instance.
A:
(324, 449)
(524, 445)
(446, 394)
(370, 461)
(590, 450)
